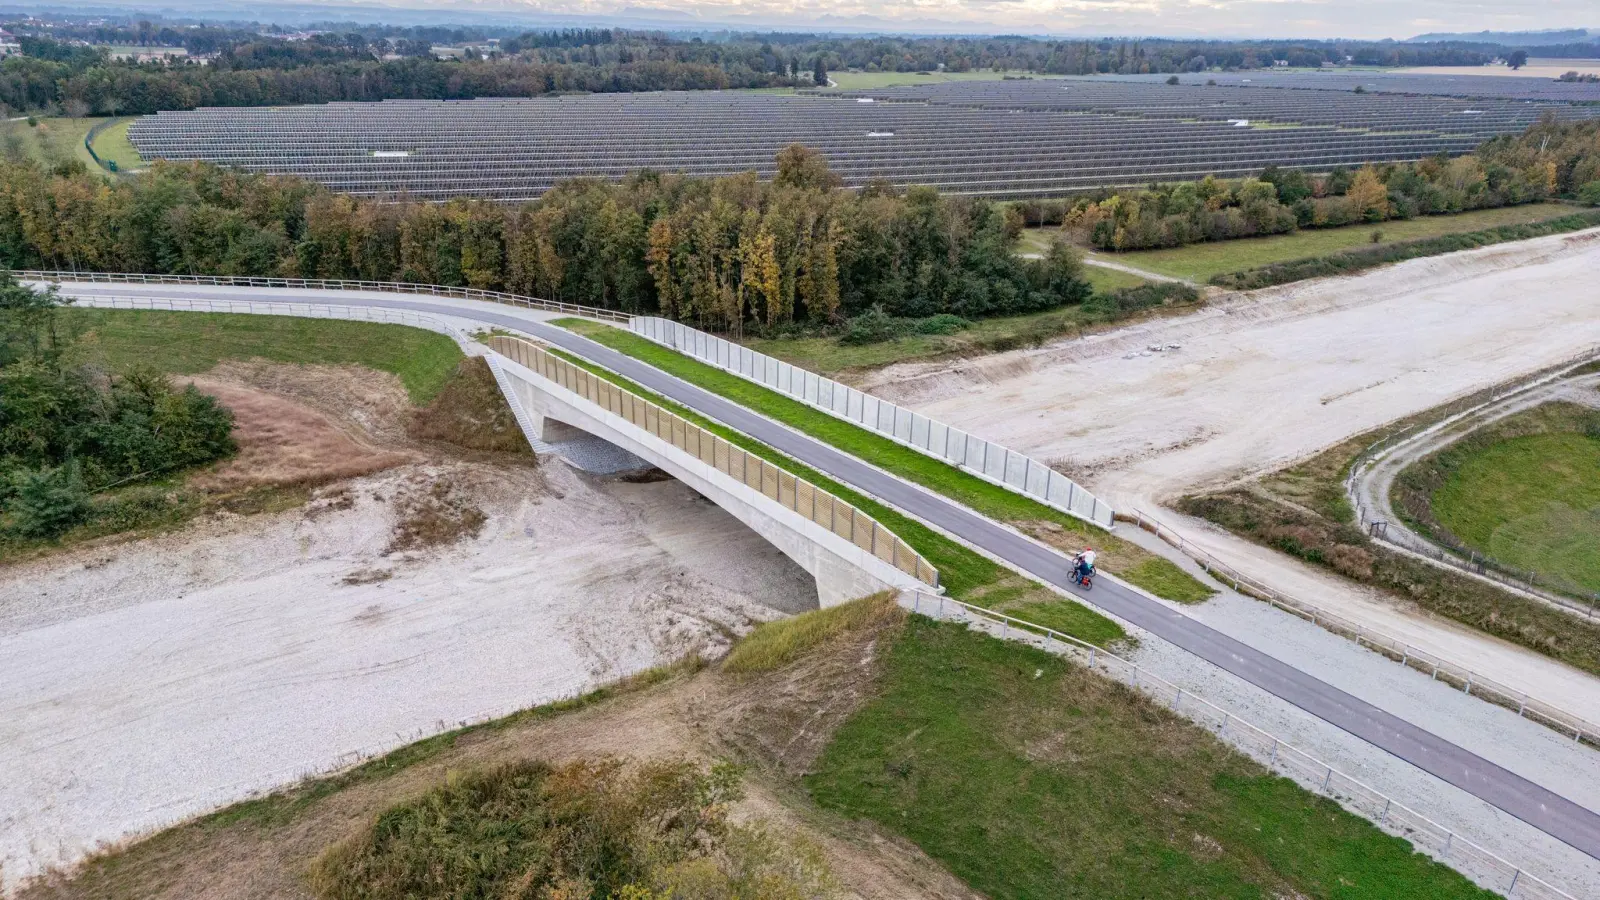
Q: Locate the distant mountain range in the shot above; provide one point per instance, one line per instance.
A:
(1512, 38)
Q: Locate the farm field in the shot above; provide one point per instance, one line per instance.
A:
(1199, 262)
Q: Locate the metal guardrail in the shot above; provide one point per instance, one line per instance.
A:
(788, 490)
(393, 287)
(992, 462)
(1447, 846)
(1472, 683)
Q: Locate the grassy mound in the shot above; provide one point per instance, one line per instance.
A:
(774, 645)
(597, 830)
(1030, 777)
(187, 343)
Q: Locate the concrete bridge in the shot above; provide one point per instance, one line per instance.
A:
(848, 553)
(543, 400)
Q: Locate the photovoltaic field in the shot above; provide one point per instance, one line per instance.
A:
(1027, 138)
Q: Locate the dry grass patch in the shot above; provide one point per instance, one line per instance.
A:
(434, 514)
(470, 413)
(776, 644)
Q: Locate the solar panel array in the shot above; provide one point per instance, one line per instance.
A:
(996, 138)
(1505, 87)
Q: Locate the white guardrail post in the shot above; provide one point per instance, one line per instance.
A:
(1475, 862)
(989, 461)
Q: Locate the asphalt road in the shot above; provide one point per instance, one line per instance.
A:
(1515, 795)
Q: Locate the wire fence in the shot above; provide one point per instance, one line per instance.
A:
(1464, 678)
(990, 461)
(1460, 853)
(793, 493)
(325, 284)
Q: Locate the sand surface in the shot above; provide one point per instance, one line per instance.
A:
(144, 682)
(1261, 380)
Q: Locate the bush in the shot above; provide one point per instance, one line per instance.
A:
(1122, 303)
(943, 323)
(1589, 194)
(872, 327)
(1172, 80)
(586, 829)
(45, 503)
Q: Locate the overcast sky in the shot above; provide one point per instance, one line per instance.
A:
(1227, 18)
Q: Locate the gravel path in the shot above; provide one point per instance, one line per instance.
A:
(1370, 488)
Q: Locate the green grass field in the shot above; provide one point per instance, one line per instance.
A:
(1199, 262)
(53, 141)
(1031, 777)
(185, 343)
(113, 146)
(1151, 572)
(1531, 502)
(859, 81)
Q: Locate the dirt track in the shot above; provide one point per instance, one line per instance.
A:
(1260, 380)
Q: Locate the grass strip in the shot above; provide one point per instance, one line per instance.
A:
(1153, 573)
(188, 343)
(964, 573)
(1360, 260)
(1029, 776)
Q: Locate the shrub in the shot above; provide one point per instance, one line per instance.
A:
(46, 503)
(1172, 80)
(586, 829)
(1589, 194)
(943, 323)
(1120, 304)
(872, 327)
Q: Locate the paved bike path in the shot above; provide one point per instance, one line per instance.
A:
(1507, 791)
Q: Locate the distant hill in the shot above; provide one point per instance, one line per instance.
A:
(1512, 38)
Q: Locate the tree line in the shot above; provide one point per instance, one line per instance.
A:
(68, 430)
(358, 63)
(1549, 160)
(725, 253)
(83, 80)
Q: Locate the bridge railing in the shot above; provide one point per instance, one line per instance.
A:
(328, 284)
(1446, 845)
(794, 493)
(992, 462)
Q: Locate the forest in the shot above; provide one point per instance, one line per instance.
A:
(59, 69)
(1550, 160)
(726, 253)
